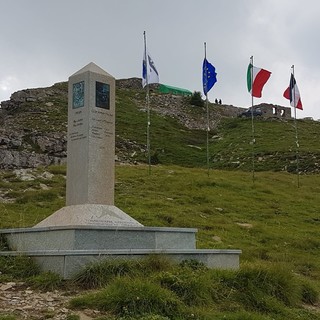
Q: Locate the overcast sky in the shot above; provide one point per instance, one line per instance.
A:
(46, 41)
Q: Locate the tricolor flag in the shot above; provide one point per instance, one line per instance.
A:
(209, 76)
(292, 93)
(149, 71)
(256, 79)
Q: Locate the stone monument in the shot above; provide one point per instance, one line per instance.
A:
(91, 153)
(90, 227)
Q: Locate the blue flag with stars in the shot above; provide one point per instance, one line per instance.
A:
(209, 76)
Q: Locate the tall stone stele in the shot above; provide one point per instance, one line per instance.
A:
(91, 154)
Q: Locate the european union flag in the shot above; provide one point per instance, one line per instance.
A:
(209, 76)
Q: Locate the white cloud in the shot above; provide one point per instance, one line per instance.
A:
(49, 41)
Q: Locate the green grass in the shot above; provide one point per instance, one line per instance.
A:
(7, 317)
(273, 221)
(270, 220)
(274, 148)
(169, 140)
(192, 291)
(230, 139)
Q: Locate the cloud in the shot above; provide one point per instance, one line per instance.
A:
(48, 41)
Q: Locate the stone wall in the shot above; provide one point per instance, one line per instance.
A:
(275, 111)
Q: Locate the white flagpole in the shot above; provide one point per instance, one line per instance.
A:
(207, 108)
(252, 122)
(147, 103)
(295, 126)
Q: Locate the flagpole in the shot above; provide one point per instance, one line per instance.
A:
(252, 122)
(296, 128)
(148, 105)
(207, 110)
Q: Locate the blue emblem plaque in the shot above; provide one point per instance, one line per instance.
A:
(78, 95)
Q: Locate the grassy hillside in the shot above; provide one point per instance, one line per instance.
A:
(172, 143)
(275, 145)
(273, 222)
(230, 142)
(270, 220)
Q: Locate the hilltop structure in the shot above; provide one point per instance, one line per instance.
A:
(274, 111)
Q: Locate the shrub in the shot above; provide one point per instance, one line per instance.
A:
(154, 158)
(196, 99)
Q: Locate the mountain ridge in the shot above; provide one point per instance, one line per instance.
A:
(34, 124)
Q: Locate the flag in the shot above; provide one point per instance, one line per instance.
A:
(209, 76)
(256, 79)
(149, 71)
(292, 93)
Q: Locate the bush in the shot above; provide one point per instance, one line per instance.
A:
(196, 99)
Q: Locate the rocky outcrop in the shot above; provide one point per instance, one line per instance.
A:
(10, 159)
(22, 149)
(131, 83)
(192, 117)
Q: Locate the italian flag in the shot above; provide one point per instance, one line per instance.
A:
(256, 79)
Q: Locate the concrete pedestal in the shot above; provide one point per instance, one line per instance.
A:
(66, 250)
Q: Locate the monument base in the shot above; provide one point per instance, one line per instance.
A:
(89, 215)
(66, 250)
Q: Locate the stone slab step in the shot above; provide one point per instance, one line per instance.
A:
(96, 238)
(67, 263)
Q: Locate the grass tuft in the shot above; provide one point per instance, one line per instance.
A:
(132, 297)
(102, 273)
(47, 281)
(18, 267)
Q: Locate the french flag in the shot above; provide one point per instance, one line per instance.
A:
(292, 93)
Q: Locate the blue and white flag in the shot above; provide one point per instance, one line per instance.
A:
(149, 71)
(209, 76)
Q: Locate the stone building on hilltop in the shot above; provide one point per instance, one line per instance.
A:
(275, 111)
